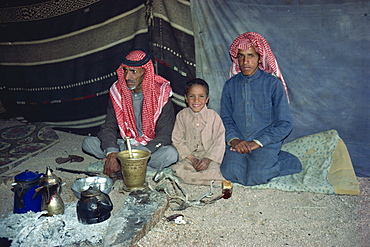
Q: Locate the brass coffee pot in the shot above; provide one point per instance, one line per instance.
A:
(51, 188)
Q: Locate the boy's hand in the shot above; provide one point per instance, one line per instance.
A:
(194, 161)
(202, 164)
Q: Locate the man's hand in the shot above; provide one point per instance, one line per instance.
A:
(111, 164)
(202, 164)
(243, 147)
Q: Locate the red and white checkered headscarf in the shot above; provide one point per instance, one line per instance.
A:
(267, 58)
(156, 92)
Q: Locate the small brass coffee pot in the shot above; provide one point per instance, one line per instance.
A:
(51, 188)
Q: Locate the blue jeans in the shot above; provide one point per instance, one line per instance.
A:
(163, 157)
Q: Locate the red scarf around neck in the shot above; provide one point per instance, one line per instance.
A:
(156, 92)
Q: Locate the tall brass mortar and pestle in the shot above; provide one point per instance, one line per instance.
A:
(133, 167)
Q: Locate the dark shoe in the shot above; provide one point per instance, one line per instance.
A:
(70, 158)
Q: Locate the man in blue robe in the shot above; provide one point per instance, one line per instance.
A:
(255, 112)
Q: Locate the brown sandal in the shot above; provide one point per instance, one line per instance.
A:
(70, 158)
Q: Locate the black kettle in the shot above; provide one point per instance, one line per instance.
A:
(93, 207)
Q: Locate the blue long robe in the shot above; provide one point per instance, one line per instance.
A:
(256, 108)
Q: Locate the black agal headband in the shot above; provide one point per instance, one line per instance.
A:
(141, 62)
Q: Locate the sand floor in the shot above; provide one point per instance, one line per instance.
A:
(249, 218)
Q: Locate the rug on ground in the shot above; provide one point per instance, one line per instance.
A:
(19, 143)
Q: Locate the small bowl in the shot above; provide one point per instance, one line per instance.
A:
(103, 184)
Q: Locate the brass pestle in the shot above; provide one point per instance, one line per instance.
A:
(129, 147)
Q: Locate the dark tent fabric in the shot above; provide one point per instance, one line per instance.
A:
(322, 48)
(58, 58)
(172, 41)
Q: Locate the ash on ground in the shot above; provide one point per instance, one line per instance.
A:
(34, 229)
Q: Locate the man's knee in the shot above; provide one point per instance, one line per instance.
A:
(261, 174)
(163, 157)
(88, 143)
(170, 153)
(232, 166)
(91, 145)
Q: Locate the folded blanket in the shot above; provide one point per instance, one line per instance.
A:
(326, 166)
(341, 174)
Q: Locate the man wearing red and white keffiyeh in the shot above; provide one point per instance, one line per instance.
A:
(256, 115)
(139, 108)
(267, 60)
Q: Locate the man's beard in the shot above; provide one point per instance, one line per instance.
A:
(133, 88)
